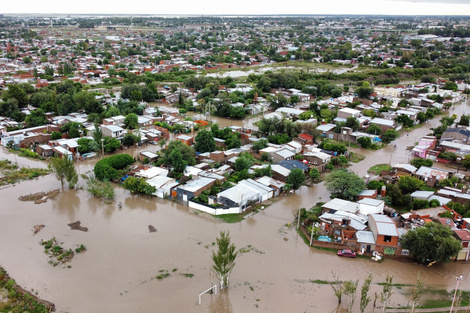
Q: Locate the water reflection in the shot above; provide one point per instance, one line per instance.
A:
(221, 303)
(67, 203)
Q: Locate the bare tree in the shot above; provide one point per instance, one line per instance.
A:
(337, 286)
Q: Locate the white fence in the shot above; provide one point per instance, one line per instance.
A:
(213, 210)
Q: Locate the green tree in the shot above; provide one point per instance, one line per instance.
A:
(86, 145)
(352, 123)
(14, 91)
(314, 174)
(350, 289)
(408, 184)
(224, 259)
(64, 168)
(464, 120)
(36, 118)
(187, 153)
(56, 135)
(344, 184)
(242, 163)
(205, 142)
(365, 299)
(374, 130)
(131, 121)
(139, 186)
(365, 142)
(111, 144)
(389, 136)
(431, 242)
(296, 178)
(177, 161)
(259, 145)
(130, 139)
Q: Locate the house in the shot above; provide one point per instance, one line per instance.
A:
(265, 192)
(152, 172)
(337, 204)
(163, 185)
(238, 196)
(371, 206)
(280, 172)
(367, 193)
(152, 157)
(276, 185)
(112, 131)
(432, 175)
(186, 139)
(305, 139)
(464, 236)
(294, 164)
(44, 150)
(461, 135)
(348, 112)
(194, 188)
(385, 233)
(365, 241)
(384, 124)
(424, 147)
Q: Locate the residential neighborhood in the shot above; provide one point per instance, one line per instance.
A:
(339, 136)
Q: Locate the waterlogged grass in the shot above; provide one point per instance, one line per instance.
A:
(378, 168)
(18, 299)
(12, 173)
(230, 218)
(356, 158)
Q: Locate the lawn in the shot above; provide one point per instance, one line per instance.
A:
(378, 168)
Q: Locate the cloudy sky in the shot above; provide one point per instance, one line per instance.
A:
(242, 7)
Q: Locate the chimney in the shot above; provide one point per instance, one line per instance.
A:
(383, 191)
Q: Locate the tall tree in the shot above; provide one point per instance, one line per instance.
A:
(64, 168)
(224, 259)
(417, 293)
(131, 121)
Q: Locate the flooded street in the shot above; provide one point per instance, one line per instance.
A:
(118, 271)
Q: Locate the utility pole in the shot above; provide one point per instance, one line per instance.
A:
(455, 293)
(298, 220)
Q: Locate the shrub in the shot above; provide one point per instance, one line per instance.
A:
(420, 204)
(434, 203)
(107, 168)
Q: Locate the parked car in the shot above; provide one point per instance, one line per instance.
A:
(347, 253)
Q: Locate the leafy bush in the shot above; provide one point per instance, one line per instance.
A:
(434, 203)
(421, 162)
(420, 204)
(107, 168)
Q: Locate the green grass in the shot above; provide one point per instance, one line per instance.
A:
(356, 158)
(230, 218)
(320, 282)
(378, 168)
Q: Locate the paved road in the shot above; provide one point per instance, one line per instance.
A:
(396, 151)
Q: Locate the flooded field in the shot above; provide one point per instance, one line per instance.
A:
(118, 271)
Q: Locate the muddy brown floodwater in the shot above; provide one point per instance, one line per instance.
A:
(118, 271)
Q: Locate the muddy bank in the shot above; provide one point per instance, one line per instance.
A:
(76, 226)
(40, 197)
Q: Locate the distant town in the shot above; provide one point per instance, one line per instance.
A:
(226, 114)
